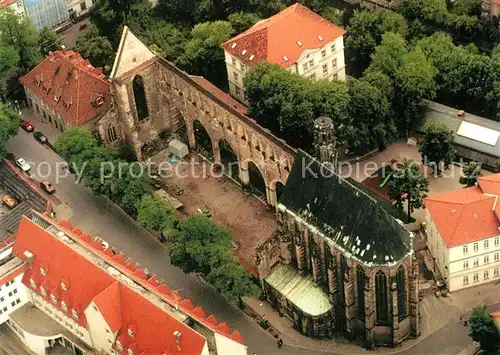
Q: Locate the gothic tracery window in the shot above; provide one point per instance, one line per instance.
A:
(141, 104)
(381, 298)
(400, 282)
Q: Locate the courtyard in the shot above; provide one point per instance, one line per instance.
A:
(246, 215)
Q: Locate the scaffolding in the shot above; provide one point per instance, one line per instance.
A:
(46, 13)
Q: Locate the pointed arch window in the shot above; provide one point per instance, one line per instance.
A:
(360, 285)
(141, 104)
(381, 298)
(401, 287)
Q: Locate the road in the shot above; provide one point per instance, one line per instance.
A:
(96, 216)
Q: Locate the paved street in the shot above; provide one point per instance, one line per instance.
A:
(96, 216)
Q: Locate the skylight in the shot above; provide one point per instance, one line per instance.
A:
(233, 45)
(244, 52)
(478, 133)
(299, 43)
(320, 38)
(251, 57)
(285, 58)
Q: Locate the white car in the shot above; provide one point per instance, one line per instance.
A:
(25, 167)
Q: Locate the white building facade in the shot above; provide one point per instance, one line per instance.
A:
(15, 5)
(79, 8)
(463, 234)
(314, 48)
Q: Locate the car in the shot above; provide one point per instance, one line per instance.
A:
(26, 125)
(40, 137)
(47, 187)
(25, 167)
(9, 201)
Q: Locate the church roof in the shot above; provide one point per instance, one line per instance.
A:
(348, 217)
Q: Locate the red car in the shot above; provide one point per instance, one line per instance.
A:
(26, 125)
(47, 187)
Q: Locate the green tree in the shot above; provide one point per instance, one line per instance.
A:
(369, 120)
(48, 41)
(199, 245)
(110, 15)
(482, 329)
(203, 55)
(9, 126)
(241, 21)
(96, 48)
(497, 166)
(155, 215)
(408, 185)
(468, 7)
(470, 173)
(437, 146)
(388, 56)
(9, 58)
(167, 39)
(74, 141)
(233, 281)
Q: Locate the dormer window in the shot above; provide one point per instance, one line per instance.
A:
(130, 352)
(130, 332)
(53, 298)
(32, 283)
(74, 314)
(43, 271)
(64, 306)
(119, 346)
(38, 82)
(42, 291)
(64, 287)
(98, 101)
(67, 103)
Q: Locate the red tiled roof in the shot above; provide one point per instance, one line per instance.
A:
(89, 282)
(490, 184)
(221, 95)
(75, 81)
(496, 313)
(6, 3)
(465, 215)
(108, 303)
(277, 37)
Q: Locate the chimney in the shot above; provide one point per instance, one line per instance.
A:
(28, 258)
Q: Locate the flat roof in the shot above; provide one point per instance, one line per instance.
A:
(477, 133)
(301, 290)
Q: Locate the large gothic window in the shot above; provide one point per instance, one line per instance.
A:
(381, 296)
(141, 104)
(360, 285)
(400, 281)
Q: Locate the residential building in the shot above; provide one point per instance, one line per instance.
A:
(66, 90)
(79, 8)
(476, 138)
(491, 7)
(463, 233)
(66, 288)
(338, 262)
(15, 5)
(46, 13)
(296, 39)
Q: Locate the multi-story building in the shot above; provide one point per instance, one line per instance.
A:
(463, 231)
(46, 13)
(78, 8)
(296, 39)
(66, 90)
(61, 287)
(15, 5)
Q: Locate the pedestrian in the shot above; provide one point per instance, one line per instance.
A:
(280, 343)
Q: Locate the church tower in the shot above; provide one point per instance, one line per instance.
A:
(325, 142)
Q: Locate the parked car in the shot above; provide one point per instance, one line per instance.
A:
(9, 201)
(40, 137)
(47, 187)
(25, 167)
(26, 125)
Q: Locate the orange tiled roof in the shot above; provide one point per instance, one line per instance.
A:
(70, 85)
(466, 215)
(87, 282)
(490, 184)
(274, 38)
(6, 3)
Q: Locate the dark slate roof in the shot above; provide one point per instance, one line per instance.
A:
(347, 216)
(29, 200)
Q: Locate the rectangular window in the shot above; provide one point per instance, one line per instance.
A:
(466, 264)
(10, 294)
(1, 299)
(18, 301)
(476, 246)
(236, 76)
(497, 241)
(495, 272)
(466, 280)
(311, 63)
(333, 48)
(15, 291)
(476, 262)
(5, 309)
(486, 244)
(335, 76)
(476, 277)
(334, 64)
(13, 304)
(312, 76)
(238, 91)
(323, 53)
(234, 61)
(243, 67)
(305, 67)
(486, 259)
(496, 257)
(486, 275)
(83, 6)
(325, 69)
(465, 249)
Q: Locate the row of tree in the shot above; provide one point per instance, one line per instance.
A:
(196, 244)
(370, 112)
